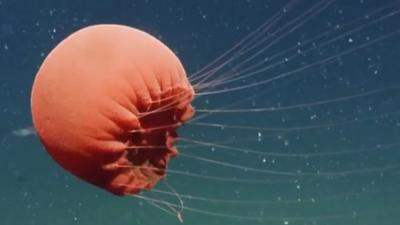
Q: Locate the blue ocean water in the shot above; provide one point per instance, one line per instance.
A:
(300, 125)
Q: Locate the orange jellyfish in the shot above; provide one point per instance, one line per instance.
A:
(106, 103)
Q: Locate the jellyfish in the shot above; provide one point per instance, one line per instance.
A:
(293, 122)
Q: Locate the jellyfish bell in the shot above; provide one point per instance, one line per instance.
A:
(106, 103)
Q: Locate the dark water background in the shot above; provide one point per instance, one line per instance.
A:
(34, 190)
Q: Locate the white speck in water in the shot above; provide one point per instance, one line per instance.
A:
(286, 142)
(24, 132)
